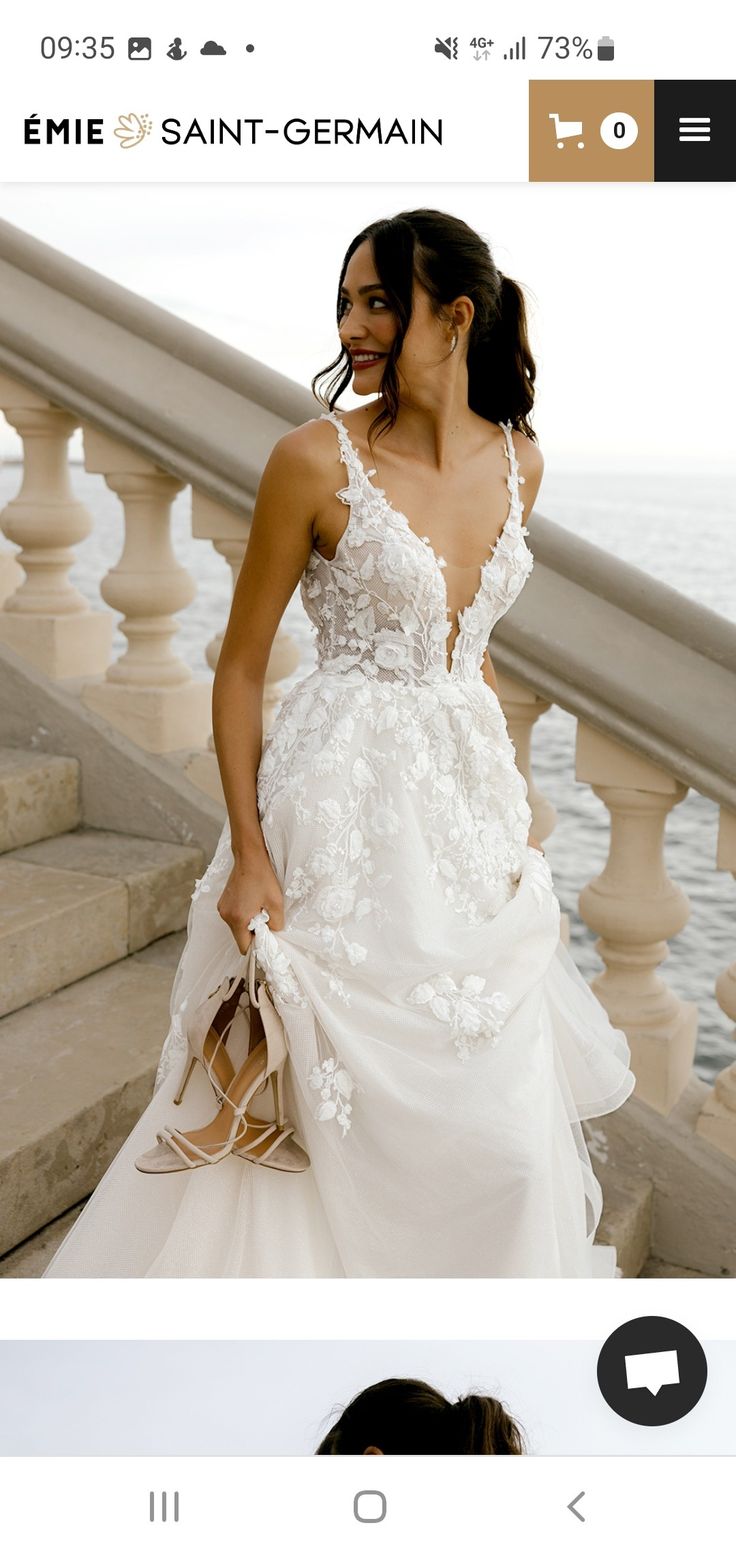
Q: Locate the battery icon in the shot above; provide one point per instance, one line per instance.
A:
(605, 48)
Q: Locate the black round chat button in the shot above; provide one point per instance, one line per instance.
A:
(652, 1371)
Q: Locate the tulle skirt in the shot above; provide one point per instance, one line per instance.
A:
(439, 1093)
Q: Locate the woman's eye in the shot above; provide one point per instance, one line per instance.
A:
(345, 303)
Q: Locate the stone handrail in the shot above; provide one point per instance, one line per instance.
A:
(204, 412)
(628, 654)
(649, 676)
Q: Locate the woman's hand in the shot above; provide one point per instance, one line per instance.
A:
(251, 887)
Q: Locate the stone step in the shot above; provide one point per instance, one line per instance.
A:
(654, 1268)
(39, 797)
(626, 1222)
(76, 902)
(78, 1071)
(31, 1258)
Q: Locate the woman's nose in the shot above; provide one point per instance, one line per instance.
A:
(352, 333)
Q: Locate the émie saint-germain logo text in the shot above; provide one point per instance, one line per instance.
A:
(132, 129)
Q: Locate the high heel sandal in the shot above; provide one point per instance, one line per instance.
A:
(275, 1144)
(234, 1129)
(210, 1049)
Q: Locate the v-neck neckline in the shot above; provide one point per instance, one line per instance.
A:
(462, 616)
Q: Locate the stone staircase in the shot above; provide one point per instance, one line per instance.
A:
(91, 931)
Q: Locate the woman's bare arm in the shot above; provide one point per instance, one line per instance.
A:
(289, 496)
(531, 468)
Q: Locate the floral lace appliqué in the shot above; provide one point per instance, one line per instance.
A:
(221, 861)
(473, 1018)
(279, 974)
(380, 603)
(336, 1087)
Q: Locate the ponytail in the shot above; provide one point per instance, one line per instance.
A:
(501, 368)
(484, 1428)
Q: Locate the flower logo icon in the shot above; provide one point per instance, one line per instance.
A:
(132, 129)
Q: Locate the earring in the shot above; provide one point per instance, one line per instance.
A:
(454, 342)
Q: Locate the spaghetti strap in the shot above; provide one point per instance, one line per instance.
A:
(348, 452)
(348, 456)
(513, 479)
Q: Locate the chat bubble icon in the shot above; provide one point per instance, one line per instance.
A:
(652, 1371)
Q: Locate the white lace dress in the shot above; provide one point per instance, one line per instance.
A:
(443, 1046)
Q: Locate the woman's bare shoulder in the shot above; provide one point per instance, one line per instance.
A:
(301, 468)
(529, 454)
(531, 469)
(308, 448)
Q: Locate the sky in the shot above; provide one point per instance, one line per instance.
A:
(630, 286)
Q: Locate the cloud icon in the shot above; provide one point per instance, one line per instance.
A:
(213, 48)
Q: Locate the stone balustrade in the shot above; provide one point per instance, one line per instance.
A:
(635, 908)
(717, 1120)
(45, 619)
(148, 693)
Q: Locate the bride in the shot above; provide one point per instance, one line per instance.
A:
(377, 933)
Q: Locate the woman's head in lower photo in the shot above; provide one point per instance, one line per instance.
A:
(411, 1418)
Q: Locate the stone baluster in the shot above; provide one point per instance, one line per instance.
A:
(228, 532)
(45, 619)
(636, 907)
(522, 707)
(11, 574)
(717, 1120)
(149, 693)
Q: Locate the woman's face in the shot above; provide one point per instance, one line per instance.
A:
(368, 328)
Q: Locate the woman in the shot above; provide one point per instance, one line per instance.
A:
(443, 1048)
(410, 1418)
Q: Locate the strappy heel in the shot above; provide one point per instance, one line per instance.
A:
(211, 1052)
(235, 1129)
(275, 1145)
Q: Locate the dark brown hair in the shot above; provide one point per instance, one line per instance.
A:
(449, 260)
(411, 1418)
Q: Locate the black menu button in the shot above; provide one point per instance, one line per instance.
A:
(694, 140)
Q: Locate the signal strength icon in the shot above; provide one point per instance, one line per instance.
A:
(517, 50)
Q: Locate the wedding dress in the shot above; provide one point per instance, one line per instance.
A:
(443, 1046)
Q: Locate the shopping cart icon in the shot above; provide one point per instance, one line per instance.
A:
(567, 129)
